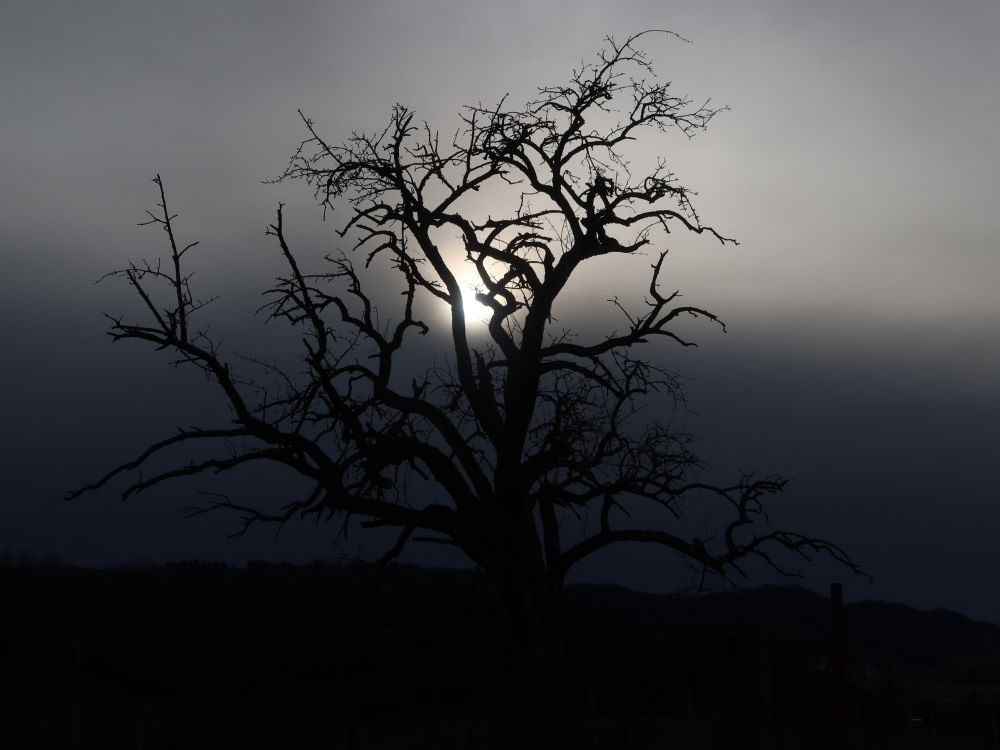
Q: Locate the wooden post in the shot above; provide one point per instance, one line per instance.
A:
(7, 688)
(689, 699)
(593, 715)
(77, 687)
(766, 696)
(857, 721)
(837, 651)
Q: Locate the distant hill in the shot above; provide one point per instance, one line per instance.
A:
(880, 635)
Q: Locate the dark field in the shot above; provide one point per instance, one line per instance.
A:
(274, 656)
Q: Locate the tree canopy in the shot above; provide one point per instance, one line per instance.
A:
(524, 446)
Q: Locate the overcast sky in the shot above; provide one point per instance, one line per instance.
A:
(858, 167)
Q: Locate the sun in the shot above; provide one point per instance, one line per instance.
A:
(476, 313)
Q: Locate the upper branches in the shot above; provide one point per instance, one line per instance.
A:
(560, 154)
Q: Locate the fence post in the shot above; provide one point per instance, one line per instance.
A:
(692, 731)
(77, 712)
(7, 686)
(839, 666)
(592, 702)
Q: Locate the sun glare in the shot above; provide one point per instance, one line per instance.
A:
(476, 313)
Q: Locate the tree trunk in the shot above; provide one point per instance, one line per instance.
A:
(539, 665)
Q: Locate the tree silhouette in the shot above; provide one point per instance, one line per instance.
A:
(524, 448)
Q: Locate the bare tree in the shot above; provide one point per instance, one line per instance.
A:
(524, 449)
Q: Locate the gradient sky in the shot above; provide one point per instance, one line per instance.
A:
(859, 168)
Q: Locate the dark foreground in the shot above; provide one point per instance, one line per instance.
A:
(275, 656)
